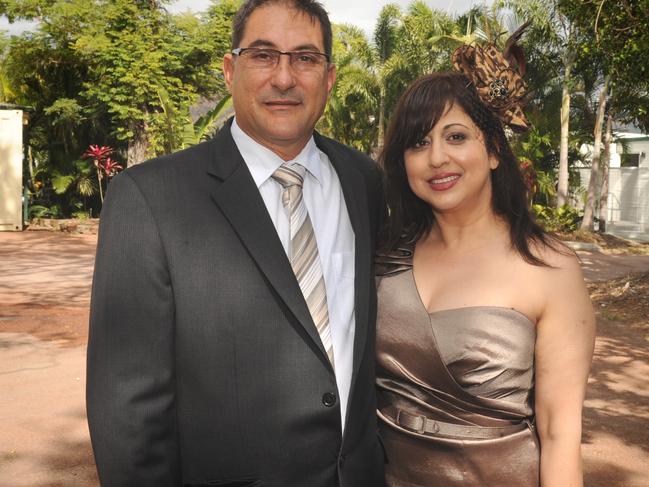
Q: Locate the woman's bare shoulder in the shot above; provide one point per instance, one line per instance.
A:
(557, 256)
(561, 283)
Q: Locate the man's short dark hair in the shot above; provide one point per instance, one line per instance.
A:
(312, 8)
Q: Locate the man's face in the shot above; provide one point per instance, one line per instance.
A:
(279, 106)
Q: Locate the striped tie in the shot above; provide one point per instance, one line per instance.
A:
(304, 257)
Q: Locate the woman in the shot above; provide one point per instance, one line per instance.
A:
(485, 327)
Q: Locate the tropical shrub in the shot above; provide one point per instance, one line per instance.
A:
(562, 219)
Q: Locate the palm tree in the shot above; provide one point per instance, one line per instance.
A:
(372, 75)
(350, 115)
(357, 105)
(558, 35)
(7, 94)
(386, 37)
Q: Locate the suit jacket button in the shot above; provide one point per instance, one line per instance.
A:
(329, 399)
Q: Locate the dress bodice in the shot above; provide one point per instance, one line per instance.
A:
(455, 386)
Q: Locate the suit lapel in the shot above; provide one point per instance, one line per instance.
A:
(355, 191)
(238, 198)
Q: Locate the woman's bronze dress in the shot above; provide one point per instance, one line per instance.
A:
(455, 389)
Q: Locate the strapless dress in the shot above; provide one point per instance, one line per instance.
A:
(455, 389)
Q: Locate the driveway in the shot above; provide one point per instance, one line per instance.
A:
(44, 293)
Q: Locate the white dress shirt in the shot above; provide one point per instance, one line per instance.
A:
(334, 235)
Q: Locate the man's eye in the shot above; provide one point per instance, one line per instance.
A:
(305, 58)
(262, 55)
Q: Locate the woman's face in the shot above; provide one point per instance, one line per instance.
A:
(450, 168)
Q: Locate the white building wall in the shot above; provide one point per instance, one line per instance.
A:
(628, 189)
(11, 172)
(635, 144)
(628, 200)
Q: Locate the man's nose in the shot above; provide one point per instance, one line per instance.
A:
(283, 76)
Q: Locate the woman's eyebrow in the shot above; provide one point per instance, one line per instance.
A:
(447, 126)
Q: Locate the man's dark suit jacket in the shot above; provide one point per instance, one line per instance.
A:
(204, 365)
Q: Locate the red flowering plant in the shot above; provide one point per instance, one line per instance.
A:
(106, 167)
(110, 167)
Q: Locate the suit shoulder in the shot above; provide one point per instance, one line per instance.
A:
(358, 158)
(184, 160)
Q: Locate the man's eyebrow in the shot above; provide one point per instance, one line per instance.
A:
(271, 44)
(307, 47)
(262, 43)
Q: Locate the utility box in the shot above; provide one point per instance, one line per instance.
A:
(11, 170)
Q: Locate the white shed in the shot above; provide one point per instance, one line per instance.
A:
(628, 190)
(11, 169)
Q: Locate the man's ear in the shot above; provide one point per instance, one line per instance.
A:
(331, 78)
(228, 70)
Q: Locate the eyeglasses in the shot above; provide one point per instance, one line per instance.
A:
(266, 58)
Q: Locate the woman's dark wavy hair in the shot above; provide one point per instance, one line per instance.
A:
(420, 107)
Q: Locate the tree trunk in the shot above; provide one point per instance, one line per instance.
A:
(562, 187)
(593, 184)
(381, 135)
(101, 189)
(137, 146)
(30, 162)
(606, 164)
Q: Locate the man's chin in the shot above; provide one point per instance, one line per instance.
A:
(287, 134)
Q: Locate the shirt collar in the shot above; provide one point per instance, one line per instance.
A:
(262, 162)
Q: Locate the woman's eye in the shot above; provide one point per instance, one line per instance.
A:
(421, 143)
(456, 137)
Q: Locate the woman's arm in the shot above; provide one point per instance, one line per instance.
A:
(564, 349)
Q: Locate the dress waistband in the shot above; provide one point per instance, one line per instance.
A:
(422, 424)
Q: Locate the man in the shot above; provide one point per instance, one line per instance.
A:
(232, 320)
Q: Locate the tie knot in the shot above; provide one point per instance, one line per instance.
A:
(288, 176)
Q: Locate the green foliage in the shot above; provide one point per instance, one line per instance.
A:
(61, 182)
(125, 74)
(92, 70)
(180, 131)
(206, 125)
(546, 189)
(131, 55)
(40, 211)
(351, 115)
(80, 215)
(372, 75)
(616, 37)
(78, 180)
(563, 219)
(7, 94)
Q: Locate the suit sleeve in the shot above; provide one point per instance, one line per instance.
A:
(130, 372)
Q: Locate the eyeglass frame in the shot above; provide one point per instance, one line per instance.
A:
(240, 50)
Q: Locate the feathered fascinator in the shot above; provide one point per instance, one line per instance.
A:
(497, 77)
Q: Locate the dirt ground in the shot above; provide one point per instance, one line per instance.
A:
(44, 293)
